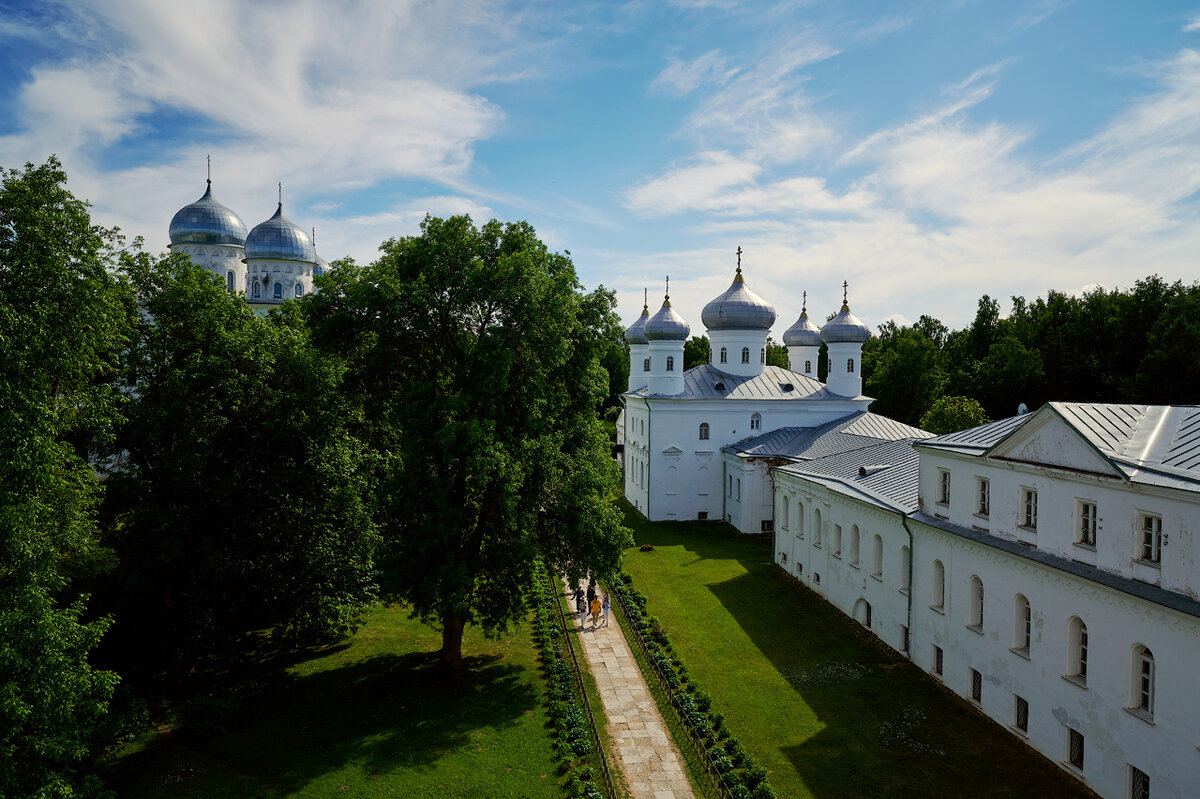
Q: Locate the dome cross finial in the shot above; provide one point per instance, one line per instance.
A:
(804, 303)
(281, 192)
(667, 296)
(845, 294)
(208, 158)
(645, 298)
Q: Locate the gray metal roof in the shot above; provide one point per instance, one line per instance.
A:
(738, 308)
(708, 382)
(666, 325)
(803, 333)
(206, 221)
(890, 478)
(851, 432)
(977, 439)
(1150, 593)
(280, 238)
(636, 334)
(845, 327)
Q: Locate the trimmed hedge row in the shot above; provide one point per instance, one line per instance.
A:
(739, 773)
(573, 737)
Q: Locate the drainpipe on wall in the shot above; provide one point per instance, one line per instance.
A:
(649, 455)
(912, 558)
(724, 493)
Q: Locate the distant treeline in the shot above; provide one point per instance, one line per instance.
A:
(1137, 346)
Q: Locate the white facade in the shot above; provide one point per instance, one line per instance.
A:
(273, 280)
(1068, 615)
(223, 260)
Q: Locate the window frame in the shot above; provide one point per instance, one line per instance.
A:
(724, 355)
(983, 493)
(849, 366)
(704, 431)
(670, 363)
(756, 421)
(939, 661)
(943, 487)
(1020, 714)
(646, 365)
(977, 594)
(1073, 736)
(1022, 625)
(1029, 509)
(976, 685)
(1087, 518)
(745, 355)
(1150, 537)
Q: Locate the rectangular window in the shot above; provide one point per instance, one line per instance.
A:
(1020, 713)
(1151, 538)
(768, 526)
(702, 515)
(1075, 748)
(976, 686)
(943, 487)
(985, 497)
(903, 638)
(731, 485)
(1139, 784)
(1083, 653)
(739, 489)
(1029, 508)
(1087, 524)
(937, 660)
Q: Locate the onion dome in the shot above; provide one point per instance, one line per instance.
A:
(666, 325)
(321, 266)
(636, 334)
(845, 327)
(803, 333)
(206, 221)
(281, 239)
(738, 308)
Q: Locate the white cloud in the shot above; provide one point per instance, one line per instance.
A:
(691, 185)
(681, 78)
(1193, 25)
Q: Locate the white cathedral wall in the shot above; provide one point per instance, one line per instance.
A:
(1114, 738)
(220, 259)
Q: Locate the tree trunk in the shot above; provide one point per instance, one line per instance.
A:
(451, 655)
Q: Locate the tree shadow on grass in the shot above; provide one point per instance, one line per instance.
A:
(387, 712)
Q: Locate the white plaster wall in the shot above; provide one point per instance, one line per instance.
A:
(734, 341)
(268, 271)
(839, 381)
(799, 356)
(1114, 737)
(220, 259)
(638, 376)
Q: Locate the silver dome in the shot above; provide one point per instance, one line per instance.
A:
(279, 238)
(320, 267)
(206, 221)
(738, 308)
(845, 327)
(636, 334)
(802, 334)
(666, 325)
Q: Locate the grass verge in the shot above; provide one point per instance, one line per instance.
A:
(371, 717)
(827, 709)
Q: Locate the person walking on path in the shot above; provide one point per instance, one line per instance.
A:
(595, 608)
(591, 594)
(605, 606)
(579, 606)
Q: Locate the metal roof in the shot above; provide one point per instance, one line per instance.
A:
(1136, 588)
(851, 432)
(977, 439)
(890, 478)
(708, 382)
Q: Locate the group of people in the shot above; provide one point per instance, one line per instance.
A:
(591, 603)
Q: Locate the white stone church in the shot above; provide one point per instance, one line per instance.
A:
(1043, 567)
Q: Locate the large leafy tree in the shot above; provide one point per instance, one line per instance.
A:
(63, 320)
(479, 358)
(240, 500)
(903, 371)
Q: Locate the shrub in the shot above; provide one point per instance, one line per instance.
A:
(762, 791)
(733, 748)
(753, 776)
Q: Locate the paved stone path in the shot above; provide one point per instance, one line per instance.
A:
(652, 766)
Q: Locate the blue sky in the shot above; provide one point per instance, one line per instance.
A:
(926, 152)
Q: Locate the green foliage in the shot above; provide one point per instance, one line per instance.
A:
(240, 503)
(477, 357)
(696, 352)
(903, 372)
(777, 354)
(950, 414)
(63, 321)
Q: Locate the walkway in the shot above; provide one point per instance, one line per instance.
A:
(648, 758)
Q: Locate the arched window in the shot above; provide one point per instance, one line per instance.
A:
(762, 356)
(229, 280)
(1143, 680)
(976, 603)
(938, 600)
(279, 291)
(905, 567)
(854, 536)
(670, 363)
(817, 523)
(817, 537)
(850, 366)
(299, 289)
(799, 519)
(816, 578)
(256, 288)
(724, 355)
(646, 365)
(807, 367)
(877, 562)
(745, 355)
(704, 431)
(837, 540)
(1022, 624)
(1077, 650)
(784, 513)
(756, 421)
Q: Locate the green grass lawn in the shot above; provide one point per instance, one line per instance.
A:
(368, 718)
(762, 646)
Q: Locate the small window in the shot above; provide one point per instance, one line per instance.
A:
(1151, 538)
(756, 421)
(807, 367)
(850, 366)
(702, 515)
(229, 280)
(762, 356)
(985, 497)
(816, 578)
(299, 289)
(1075, 748)
(704, 431)
(1087, 524)
(817, 537)
(670, 363)
(877, 561)
(784, 520)
(837, 540)
(646, 365)
(943, 487)
(767, 526)
(1022, 624)
(745, 355)
(279, 291)
(854, 540)
(976, 687)
(939, 585)
(739, 489)
(1020, 713)
(1077, 651)
(724, 355)
(1029, 508)
(731, 485)
(256, 290)
(904, 638)
(1143, 680)
(1139, 784)
(976, 622)
(938, 660)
